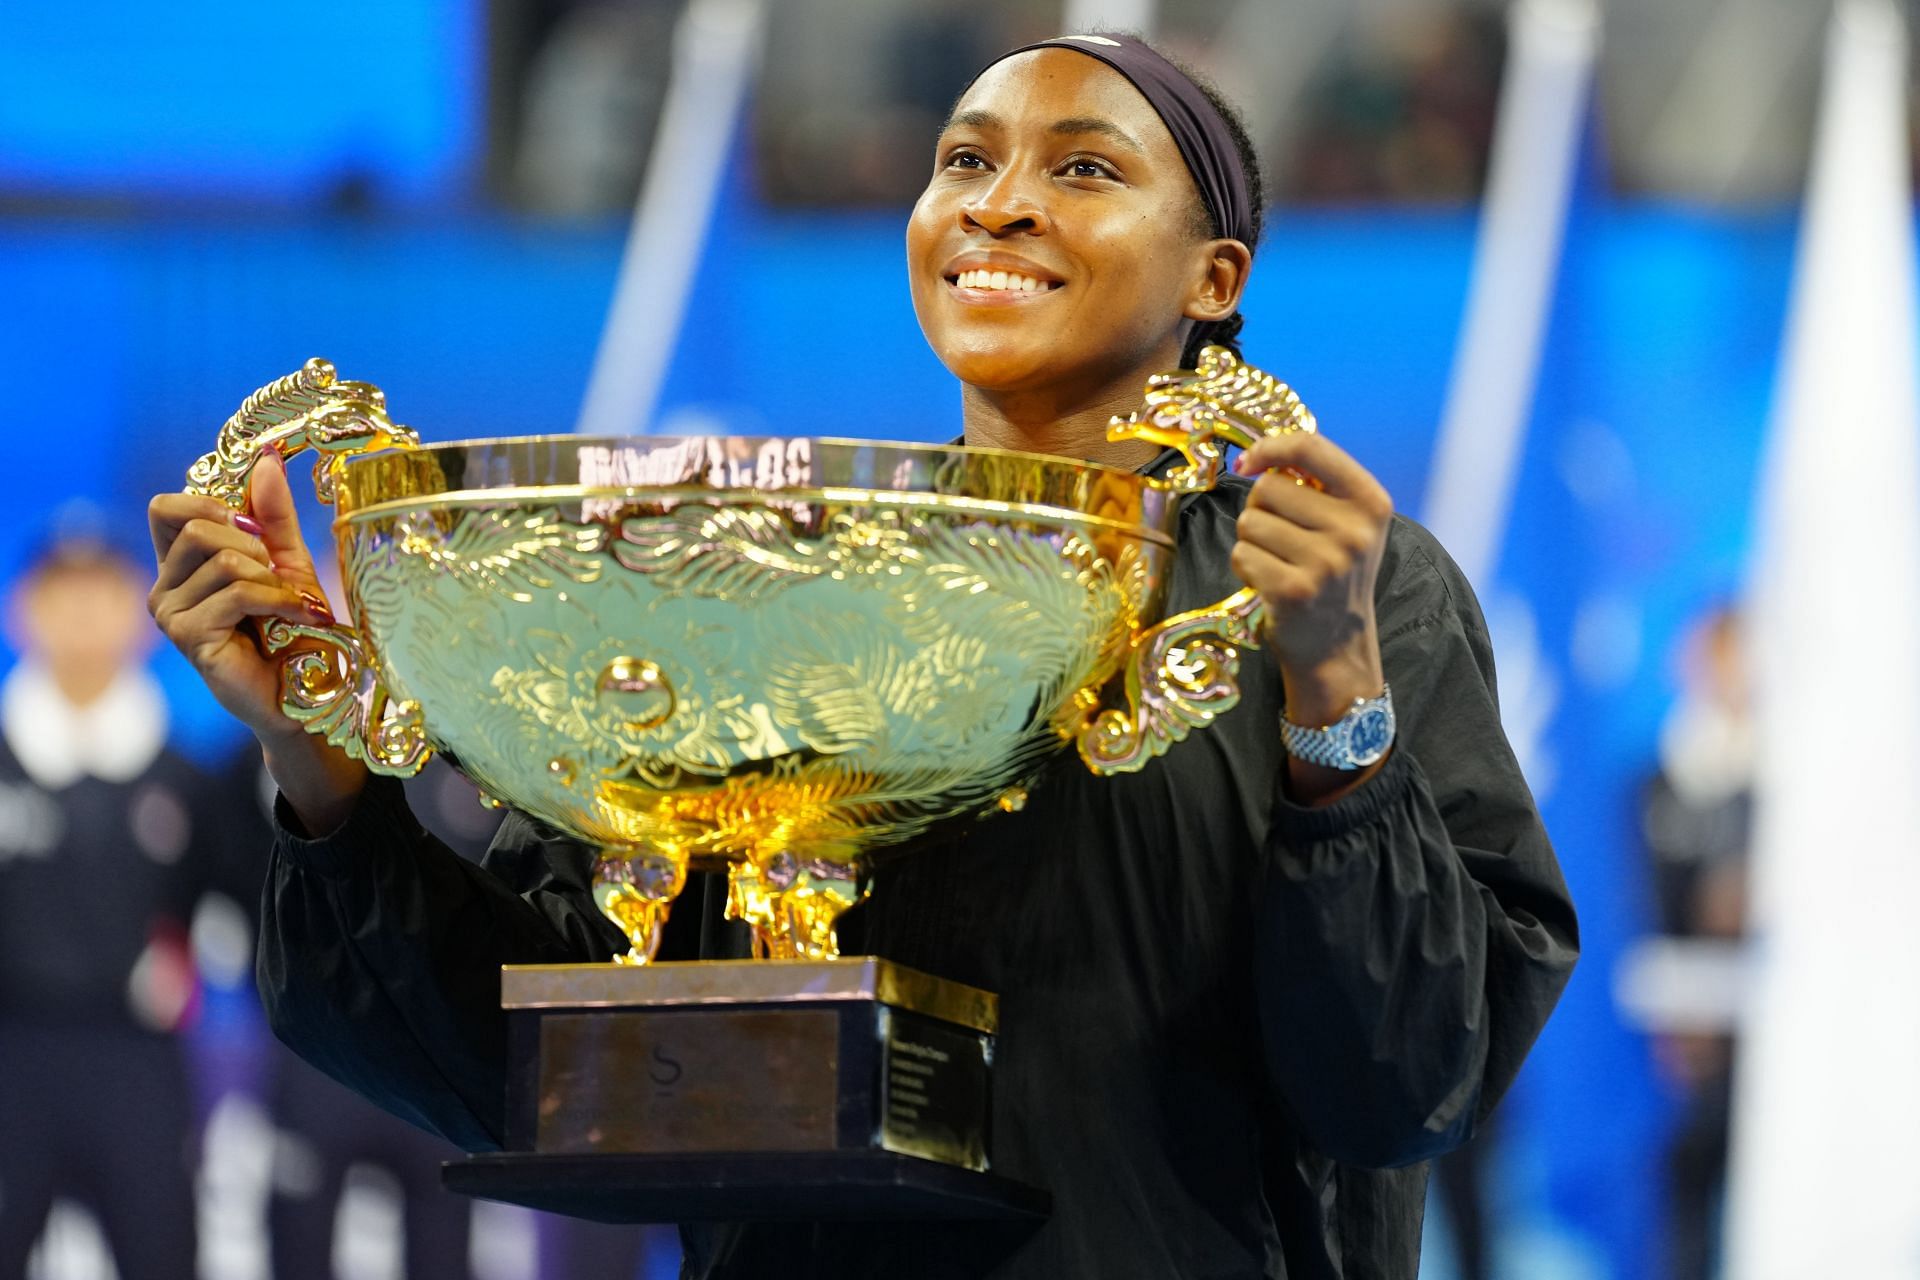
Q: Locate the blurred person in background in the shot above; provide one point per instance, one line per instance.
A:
(1249, 990)
(1406, 114)
(1696, 817)
(106, 845)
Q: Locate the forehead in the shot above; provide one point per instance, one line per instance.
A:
(1042, 86)
(78, 574)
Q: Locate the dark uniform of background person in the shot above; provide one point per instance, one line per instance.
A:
(1696, 816)
(106, 844)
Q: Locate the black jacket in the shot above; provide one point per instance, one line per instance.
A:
(1231, 1028)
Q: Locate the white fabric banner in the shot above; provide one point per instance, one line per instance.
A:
(1826, 1141)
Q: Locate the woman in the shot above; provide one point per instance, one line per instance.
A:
(1243, 993)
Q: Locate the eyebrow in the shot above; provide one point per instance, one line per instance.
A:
(1073, 125)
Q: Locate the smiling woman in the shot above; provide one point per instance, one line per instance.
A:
(1055, 168)
(1244, 991)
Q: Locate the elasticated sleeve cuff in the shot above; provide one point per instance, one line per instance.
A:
(1298, 824)
(380, 812)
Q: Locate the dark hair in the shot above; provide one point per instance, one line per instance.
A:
(1206, 224)
(80, 536)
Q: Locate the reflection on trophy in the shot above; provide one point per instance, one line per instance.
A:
(769, 658)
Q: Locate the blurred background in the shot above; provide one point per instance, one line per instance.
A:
(1534, 263)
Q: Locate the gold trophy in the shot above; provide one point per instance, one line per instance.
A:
(769, 657)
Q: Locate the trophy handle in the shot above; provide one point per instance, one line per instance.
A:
(328, 679)
(1185, 670)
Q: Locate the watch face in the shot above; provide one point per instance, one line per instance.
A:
(1372, 734)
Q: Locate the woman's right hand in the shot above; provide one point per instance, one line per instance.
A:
(218, 571)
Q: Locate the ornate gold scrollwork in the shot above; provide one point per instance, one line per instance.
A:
(1181, 675)
(1184, 671)
(328, 684)
(1203, 410)
(328, 679)
(313, 409)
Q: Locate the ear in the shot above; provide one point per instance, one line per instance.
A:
(1221, 280)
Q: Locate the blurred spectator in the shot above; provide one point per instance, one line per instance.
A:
(850, 109)
(1404, 111)
(591, 89)
(106, 845)
(1398, 105)
(1696, 817)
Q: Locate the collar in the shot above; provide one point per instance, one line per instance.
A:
(115, 738)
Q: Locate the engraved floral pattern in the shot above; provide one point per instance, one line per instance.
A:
(835, 685)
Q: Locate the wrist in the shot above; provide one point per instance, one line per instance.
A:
(1326, 761)
(320, 783)
(1321, 693)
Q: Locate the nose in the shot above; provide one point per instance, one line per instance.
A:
(1005, 207)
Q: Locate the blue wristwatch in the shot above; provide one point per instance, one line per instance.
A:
(1356, 740)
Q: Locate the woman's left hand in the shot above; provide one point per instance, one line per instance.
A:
(1313, 554)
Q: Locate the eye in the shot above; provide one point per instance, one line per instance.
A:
(1088, 167)
(965, 159)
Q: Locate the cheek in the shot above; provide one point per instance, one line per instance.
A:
(923, 246)
(923, 224)
(1136, 287)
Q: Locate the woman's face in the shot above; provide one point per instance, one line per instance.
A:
(1055, 169)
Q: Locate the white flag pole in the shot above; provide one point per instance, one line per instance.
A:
(1552, 45)
(715, 48)
(1827, 1111)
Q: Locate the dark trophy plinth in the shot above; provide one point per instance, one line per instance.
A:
(801, 1090)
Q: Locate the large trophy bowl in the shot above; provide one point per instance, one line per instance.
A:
(763, 656)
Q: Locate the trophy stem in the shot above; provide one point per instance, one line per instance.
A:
(635, 889)
(791, 905)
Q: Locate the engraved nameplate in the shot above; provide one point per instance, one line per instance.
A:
(933, 1089)
(660, 1082)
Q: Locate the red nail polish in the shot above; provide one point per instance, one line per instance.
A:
(247, 524)
(316, 606)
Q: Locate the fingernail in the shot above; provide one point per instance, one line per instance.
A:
(316, 606)
(247, 524)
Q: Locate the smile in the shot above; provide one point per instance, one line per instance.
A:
(987, 280)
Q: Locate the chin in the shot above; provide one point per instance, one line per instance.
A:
(1001, 364)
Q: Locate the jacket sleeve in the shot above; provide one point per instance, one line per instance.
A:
(380, 952)
(1413, 936)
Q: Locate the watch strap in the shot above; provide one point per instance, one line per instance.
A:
(1356, 740)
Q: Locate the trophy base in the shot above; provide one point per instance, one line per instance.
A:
(755, 1090)
(833, 1186)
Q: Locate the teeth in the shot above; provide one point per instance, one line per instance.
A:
(1003, 280)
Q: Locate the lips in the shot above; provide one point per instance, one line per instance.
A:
(995, 275)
